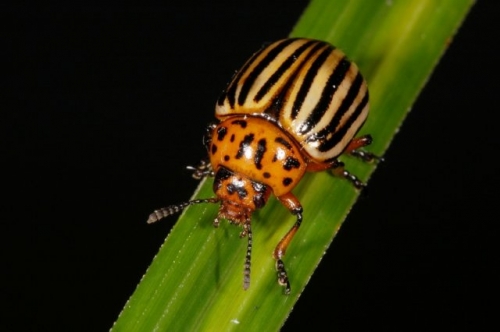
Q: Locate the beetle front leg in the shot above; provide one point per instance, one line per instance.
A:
(203, 169)
(293, 205)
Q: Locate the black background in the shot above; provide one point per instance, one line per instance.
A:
(105, 106)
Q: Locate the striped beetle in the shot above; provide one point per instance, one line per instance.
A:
(293, 107)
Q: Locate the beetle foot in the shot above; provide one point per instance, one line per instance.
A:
(282, 276)
(366, 156)
(353, 179)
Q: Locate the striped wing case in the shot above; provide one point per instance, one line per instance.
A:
(308, 87)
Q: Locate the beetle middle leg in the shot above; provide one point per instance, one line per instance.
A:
(338, 169)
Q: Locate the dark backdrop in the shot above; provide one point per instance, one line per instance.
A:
(106, 104)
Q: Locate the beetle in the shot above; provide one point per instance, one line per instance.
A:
(294, 107)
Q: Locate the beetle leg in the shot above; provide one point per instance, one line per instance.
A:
(338, 169)
(207, 138)
(353, 148)
(293, 205)
(203, 169)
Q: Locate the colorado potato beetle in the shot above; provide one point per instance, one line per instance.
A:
(294, 107)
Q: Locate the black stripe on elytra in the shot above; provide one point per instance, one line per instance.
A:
(241, 123)
(283, 142)
(339, 134)
(285, 65)
(308, 80)
(232, 138)
(221, 133)
(344, 107)
(267, 175)
(214, 148)
(290, 163)
(230, 91)
(250, 79)
(287, 181)
(282, 96)
(329, 90)
(261, 149)
(247, 140)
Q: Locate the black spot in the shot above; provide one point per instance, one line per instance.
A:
(221, 133)
(259, 201)
(247, 140)
(221, 175)
(214, 148)
(266, 175)
(226, 158)
(258, 187)
(275, 158)
(283, 142)
(231, 189)
(259, 197)
(261, 149)
(287, 181)
(207, 137)
(232, 138)
(242, 123)
(290, 163)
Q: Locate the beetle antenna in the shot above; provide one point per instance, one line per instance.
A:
(248, 257)
(169, 210)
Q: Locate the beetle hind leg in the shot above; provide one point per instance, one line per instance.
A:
(337, 167)
(354, 149)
